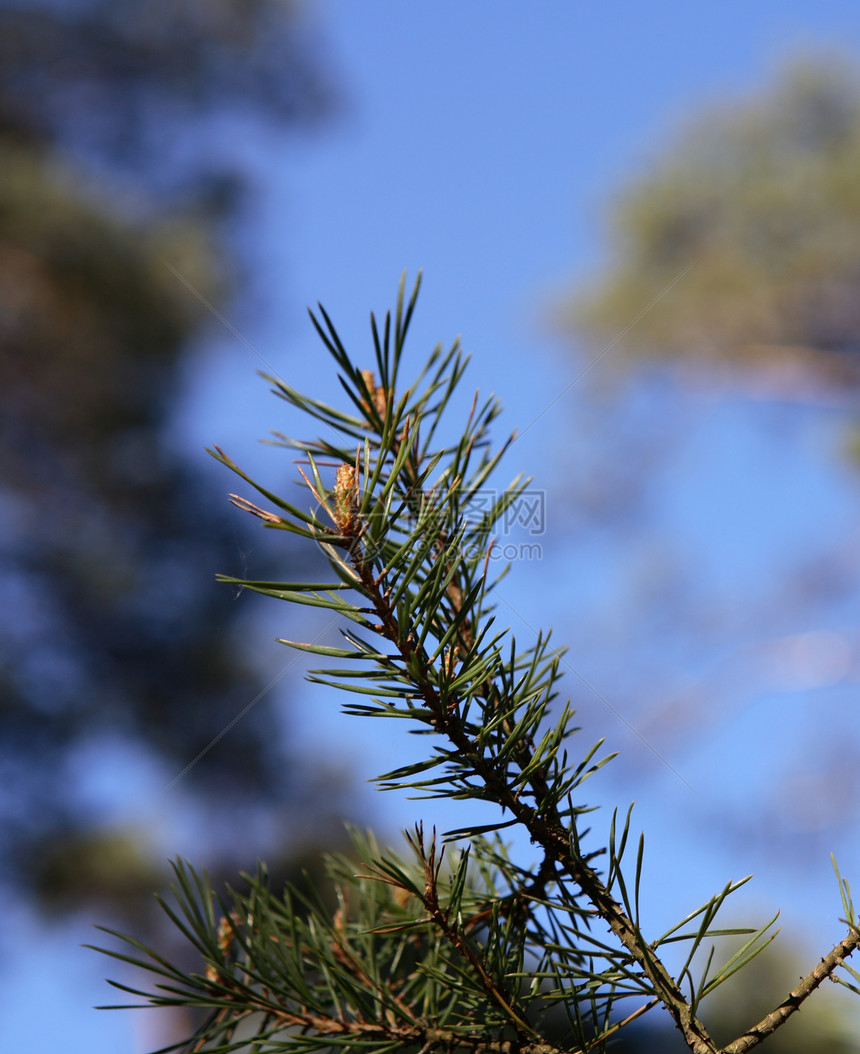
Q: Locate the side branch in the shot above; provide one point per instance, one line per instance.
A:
(796, 996)
(452, 934)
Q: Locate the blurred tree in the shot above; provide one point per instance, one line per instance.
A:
(132, 84)
(761, 201)
(114, 632)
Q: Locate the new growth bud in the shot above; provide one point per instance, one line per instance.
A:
(378, 395)
(346, 502)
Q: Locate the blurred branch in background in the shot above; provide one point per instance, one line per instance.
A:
(119, 654)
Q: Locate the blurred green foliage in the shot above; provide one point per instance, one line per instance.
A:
(752, 217)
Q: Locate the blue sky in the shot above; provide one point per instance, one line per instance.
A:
(484, 142)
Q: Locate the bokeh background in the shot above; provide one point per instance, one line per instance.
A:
(644, 222)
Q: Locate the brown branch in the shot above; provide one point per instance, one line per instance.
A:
(796, 996)
(422, 1034)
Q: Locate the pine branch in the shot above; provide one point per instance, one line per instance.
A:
(474, 957)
